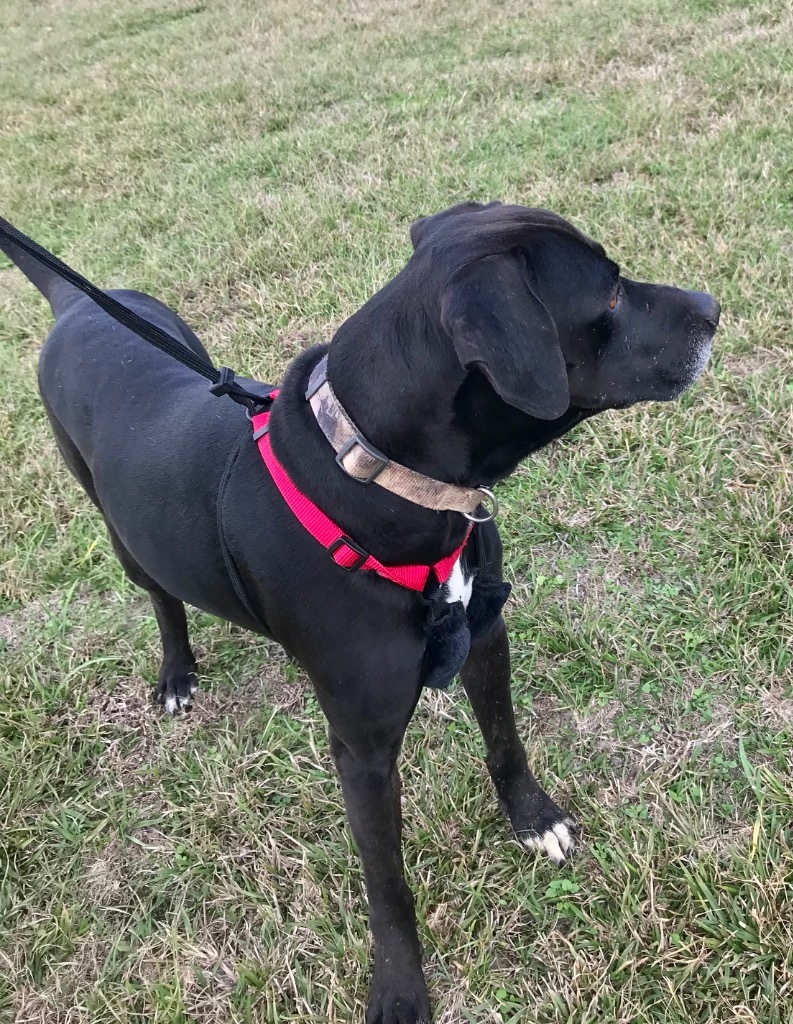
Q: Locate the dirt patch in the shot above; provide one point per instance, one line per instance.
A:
(104, 875)
(668, 749)
(57, 1003)
(127, 704)
(295, 342)
(111, 874)
(15, 625)
(220, 333)
(453, 1012)
(598, 720)
(218, 974)
(665, 749)
(32, 1008)
(777, 707)
(607, 577)
(546, 710)
(287, 695)
(134, 730)
(621, 72)
(129, 726)
(10, 630)
(278, 687)
(758, 362)
(728, 841)
(745, 33)
(442, 922)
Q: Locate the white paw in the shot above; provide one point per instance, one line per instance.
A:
(557, 843)
(175, 704)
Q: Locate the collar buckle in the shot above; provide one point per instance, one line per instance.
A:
(371, 464)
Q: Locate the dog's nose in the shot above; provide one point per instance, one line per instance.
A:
(707, 307)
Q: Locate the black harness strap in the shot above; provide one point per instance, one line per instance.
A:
(222, 379)
(479, 547)
(231, 568)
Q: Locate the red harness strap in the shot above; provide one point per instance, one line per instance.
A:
(344, 551)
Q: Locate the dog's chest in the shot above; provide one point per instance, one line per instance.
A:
(458, 587)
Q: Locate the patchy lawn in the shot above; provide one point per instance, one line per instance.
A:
(257, 165)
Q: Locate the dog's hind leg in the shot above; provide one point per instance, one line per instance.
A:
(177, 679)
(538, 822)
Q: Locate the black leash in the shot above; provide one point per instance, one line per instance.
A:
(221, 378)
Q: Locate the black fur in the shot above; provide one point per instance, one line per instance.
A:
(449, 629)
(498, 336)
(447, 643)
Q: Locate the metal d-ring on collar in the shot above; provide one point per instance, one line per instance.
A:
(489, 515)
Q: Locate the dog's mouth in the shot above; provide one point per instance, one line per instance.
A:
(696, 361)
(656, 384)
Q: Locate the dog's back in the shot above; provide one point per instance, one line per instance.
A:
(91, 367)
(138, 430)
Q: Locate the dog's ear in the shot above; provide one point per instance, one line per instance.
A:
(421, 228)
(499, 326)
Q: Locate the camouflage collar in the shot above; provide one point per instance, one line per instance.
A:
(363, 462)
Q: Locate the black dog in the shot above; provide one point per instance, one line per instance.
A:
(505, 329)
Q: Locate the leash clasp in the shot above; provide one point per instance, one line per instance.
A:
(225, 381)
(489, 515)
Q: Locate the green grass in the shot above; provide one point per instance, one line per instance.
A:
(257, 166)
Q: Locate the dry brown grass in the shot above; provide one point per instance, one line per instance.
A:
(257, 167)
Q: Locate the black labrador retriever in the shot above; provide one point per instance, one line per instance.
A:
(505, 329)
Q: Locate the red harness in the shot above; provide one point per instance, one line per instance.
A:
(344, 551)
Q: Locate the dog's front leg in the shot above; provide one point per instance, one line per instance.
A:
(371, 786)
(538, 822)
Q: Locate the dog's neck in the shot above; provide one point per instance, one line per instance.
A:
(400, 381)
(402, 384)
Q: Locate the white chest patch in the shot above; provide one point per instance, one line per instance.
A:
(457, 587)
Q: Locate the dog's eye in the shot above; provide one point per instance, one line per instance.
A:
(615, 298)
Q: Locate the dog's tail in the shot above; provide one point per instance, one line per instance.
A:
(59, 293)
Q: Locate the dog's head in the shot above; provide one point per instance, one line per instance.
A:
(541, 311)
